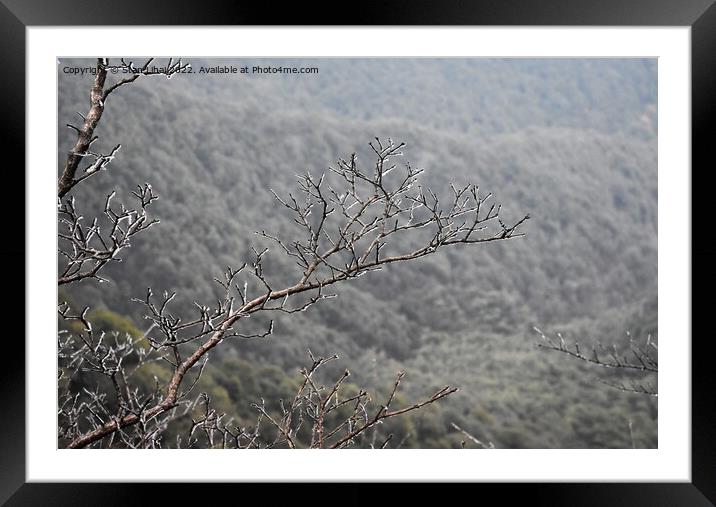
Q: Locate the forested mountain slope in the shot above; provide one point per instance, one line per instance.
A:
(572, 143)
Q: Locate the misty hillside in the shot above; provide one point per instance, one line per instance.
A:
(572, 143)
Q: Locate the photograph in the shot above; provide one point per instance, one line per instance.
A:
(357, 253)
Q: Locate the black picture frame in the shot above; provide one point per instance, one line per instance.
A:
(700, 15)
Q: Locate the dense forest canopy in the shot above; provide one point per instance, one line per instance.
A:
(571, 142)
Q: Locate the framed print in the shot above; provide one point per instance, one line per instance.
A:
(395, 251)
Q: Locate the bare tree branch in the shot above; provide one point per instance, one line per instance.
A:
(98, 97)
(472, 438)
(86, 248)
(641, 358)
(347, 230)
(316, 408)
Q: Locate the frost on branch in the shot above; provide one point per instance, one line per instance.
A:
(639, 359)
(327, 416)
(350, 221)
(85, 248)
